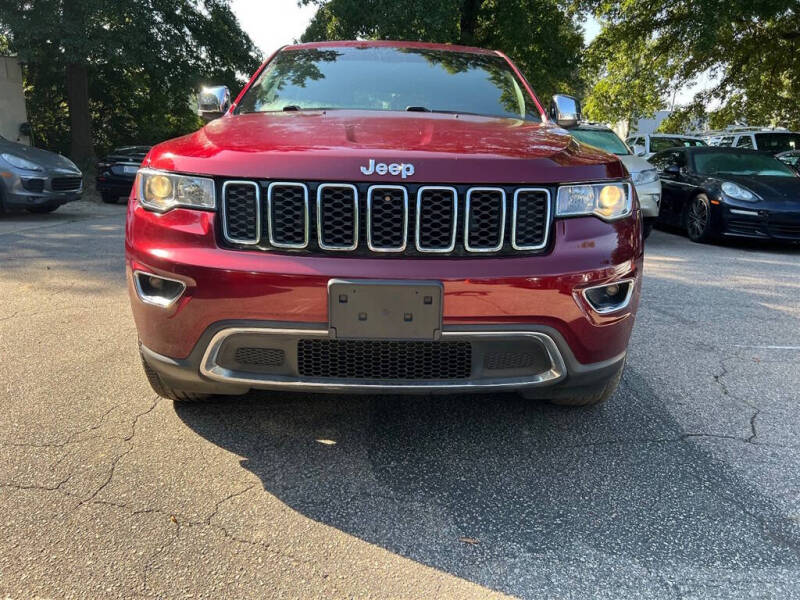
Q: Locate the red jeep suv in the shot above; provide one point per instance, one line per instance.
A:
(384, 217)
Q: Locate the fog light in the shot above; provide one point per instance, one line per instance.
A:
(157, 290)
(610, 297)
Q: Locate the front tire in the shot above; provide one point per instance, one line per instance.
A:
(41, 210)
(647, 227)
(165, 391)
(698, 220)
(108, 198)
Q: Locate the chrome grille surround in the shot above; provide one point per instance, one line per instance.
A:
(468, 217)
(452, 245)
(236, 240)
(320, 225)
(515, 219)
(270, 226)
(370, 194)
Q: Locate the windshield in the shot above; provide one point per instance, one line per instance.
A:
(657, 144)
(778, 142)
(604, 139)
(746, 163)
(391, 79)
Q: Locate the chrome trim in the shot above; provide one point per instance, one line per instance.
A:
(452, 245)
(210, 369)
(306, 214)
(617, 307)
(224, 208)
(350, 186)
(159, 301)
(514, 244)
(502, 236)
(369, 218)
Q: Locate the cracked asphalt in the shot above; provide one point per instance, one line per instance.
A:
(686, 484)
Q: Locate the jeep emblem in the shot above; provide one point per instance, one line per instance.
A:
(402, 169)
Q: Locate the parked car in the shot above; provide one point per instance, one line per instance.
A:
(643, 174)
(791, 158)
(366, 217)
(36, 180)
(728, 191)
(645, 145)
(117, 171)
(757, 138)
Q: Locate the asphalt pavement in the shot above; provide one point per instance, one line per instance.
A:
(686, 484)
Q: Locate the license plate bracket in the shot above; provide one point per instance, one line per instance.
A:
(385, 309)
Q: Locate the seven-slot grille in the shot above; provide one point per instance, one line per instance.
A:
(391, 219)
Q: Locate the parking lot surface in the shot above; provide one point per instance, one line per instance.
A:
(684, 485)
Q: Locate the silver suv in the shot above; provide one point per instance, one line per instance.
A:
(36, 180)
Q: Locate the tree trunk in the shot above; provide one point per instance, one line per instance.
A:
(469, 21)
(81, 147)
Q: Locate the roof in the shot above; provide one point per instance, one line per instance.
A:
(390, 44)
(714, 149)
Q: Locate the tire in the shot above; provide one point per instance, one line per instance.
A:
(163, 390)
(647, 227)
(41, 210)
(698, 219)
(589, 395)
(109, 198)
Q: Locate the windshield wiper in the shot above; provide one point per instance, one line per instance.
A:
(418, 109)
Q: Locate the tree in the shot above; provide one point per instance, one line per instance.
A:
(102, 73)
(751, 50)
(541, 36)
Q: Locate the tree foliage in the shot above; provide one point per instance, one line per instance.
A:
(749, 50)
(541, 36)
(142, 61)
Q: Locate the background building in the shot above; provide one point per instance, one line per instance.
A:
(12, 100)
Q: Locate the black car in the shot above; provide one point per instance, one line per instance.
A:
(116, 172)
(718, 191)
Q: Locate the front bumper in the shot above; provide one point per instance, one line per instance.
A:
(760, 223)
(20, 193)
(114, 184)
(539, 294)
(649, 198)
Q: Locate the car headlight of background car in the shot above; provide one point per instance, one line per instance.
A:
(733, 190)
(646, 176)
(20, 163)
(162, 191)
(608, 201)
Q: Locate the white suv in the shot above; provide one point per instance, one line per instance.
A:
(768, 140)
(647, 144)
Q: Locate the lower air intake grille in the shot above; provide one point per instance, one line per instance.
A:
(378, 359)
(260, 357)
(66, 184)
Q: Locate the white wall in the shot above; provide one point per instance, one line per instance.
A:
(12, 100)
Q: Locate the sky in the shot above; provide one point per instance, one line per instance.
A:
(274, 23)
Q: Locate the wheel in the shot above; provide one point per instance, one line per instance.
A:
(581, 396)
(108, 198)
(41, 210)
(163, 390)
(647, 227)
(698, 219)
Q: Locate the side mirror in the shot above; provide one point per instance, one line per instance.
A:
(565, 110)
(213, 102)
(638, 150)
(672, 170)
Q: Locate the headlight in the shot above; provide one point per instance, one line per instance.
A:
(20, 163)
(646, 176)
(738, 192)
(608, 201)
(162, 191)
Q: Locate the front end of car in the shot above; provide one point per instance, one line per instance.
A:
(771, 213)
(240, 283)
(39, 182)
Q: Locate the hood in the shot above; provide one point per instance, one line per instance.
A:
(635, 164)
(43, 158)
(768, 187)
(335, 145)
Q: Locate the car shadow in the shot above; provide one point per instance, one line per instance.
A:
(535, 486)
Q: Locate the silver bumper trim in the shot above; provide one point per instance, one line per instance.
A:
(210, 369)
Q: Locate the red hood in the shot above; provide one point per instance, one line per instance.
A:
(334, 145)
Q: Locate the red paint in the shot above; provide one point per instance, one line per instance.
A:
(229, 284)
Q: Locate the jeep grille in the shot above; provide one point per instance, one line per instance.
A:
(385, 220)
